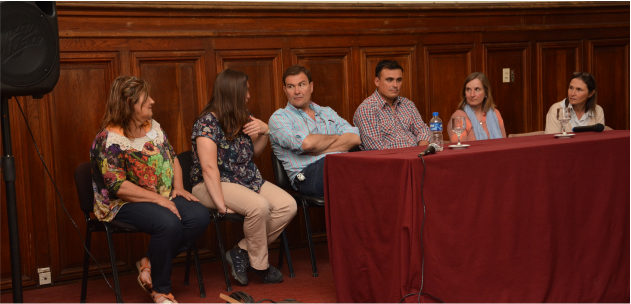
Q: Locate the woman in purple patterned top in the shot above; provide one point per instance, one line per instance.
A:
(224, 177)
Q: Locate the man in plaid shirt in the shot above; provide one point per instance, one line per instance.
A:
(303, 133)
(387, 120)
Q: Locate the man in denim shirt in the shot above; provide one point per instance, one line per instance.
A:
(303, 133)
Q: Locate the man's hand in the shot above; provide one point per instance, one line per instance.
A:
(423, 143)
(342, 143)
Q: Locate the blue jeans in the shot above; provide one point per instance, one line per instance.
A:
(313, 185)
(169, 234)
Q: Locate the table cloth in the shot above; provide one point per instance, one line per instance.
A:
(526, 219)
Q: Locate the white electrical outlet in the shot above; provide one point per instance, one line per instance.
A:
(44, 276)
(506, 75)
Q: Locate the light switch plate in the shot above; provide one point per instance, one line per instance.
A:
(506, 75)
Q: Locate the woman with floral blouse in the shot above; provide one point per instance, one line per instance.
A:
(224, 177)
(137, 179)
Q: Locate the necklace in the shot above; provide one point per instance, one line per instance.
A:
(480, 120)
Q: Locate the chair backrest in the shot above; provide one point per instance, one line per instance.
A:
(186, 162)
(282, 180)
(83, 181)
(527, 134)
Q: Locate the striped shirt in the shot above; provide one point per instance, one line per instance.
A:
(384, 127)
(290, 126)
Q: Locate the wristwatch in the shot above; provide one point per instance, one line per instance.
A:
(267, 133)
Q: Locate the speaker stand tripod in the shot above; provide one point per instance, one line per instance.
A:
(8, 170)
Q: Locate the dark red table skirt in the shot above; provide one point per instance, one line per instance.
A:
(529, 219)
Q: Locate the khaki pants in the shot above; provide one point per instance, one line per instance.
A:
(266, 215)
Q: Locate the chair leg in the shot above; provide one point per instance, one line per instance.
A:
(187, 267)
(198, 267)
(314, 267)
(223, 255)
(281, 252)
(110, 242)
(86, 264)
(285, 246)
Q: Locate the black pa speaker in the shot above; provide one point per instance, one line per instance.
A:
(30, 48)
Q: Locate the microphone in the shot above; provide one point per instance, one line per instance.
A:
(594, 128)
(431, 149)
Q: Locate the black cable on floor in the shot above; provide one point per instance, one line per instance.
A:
(62, 202)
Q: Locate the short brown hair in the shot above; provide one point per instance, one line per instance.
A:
(488, 103)
(388, 65)
(295, 70)
(125, 92)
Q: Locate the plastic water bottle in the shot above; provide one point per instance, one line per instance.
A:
(436, 128)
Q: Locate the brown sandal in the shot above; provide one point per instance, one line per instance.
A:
(168, 297)
(143, 265)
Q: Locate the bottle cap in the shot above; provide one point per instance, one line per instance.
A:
(435, 113)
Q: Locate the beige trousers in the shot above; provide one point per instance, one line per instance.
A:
(266, 215)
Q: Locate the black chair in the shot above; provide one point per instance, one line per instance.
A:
(282, 181)
(186, 162)
(83, 180)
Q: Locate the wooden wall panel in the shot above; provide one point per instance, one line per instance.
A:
(330, 72)
(447, 68)
(609, 63)
(511, 99)
(28, 231)
(404, 55)
(75, 117)
(556, 61)
(179, 47)
(178, 86)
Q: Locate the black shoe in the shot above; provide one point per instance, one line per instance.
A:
(239, 262)
(271, 275)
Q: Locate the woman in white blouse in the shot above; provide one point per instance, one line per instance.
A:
(581, 98)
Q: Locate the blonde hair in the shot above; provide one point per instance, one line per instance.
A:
(125, 93)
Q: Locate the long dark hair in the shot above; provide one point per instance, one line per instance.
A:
(125, 92)
(228, 102)
(590, 81)
(488, 103)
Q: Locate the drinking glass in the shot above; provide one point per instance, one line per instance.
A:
(458, 125)
(564, 116)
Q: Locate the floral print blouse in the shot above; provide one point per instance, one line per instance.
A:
(234, 158)
(146, 162)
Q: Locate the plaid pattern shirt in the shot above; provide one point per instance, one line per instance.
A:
(290, 126)
(384, 127)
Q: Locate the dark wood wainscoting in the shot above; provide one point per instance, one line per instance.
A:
(180, 47)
